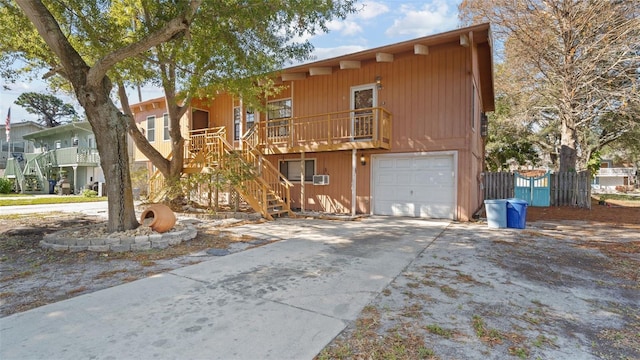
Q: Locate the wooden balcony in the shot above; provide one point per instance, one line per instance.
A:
(362, 129)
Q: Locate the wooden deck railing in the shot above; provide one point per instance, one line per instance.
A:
(364, 128)
(261, 184)
(203, 147)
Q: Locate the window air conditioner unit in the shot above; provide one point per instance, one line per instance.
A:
(320, 179)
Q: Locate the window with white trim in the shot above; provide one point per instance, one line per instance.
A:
(291, 169)
(237, 122)
(151, 128)
(167, 134)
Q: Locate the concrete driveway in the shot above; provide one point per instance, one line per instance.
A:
(286, 300)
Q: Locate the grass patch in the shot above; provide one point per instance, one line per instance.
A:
(77, 291)
(449, 291)
(438, 330)
(522, 353)
(16, 276)
(14, 195)
(7, 294)
(367, 341)
(486, 335)
(413, 311)
(542, 340)
(465, 278)
(623, 197)
(108, 274)
(33, 200)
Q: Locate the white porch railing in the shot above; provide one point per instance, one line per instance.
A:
(616, 172)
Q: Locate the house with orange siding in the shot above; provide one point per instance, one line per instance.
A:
(397, 130)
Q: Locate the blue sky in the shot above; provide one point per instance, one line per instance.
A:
(377, 23)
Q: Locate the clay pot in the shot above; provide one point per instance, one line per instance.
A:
(160, 218)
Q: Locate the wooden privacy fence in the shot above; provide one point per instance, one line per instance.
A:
(566, 189)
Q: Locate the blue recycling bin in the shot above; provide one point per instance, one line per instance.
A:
(496, 213)
(52, 186)
(516, 213)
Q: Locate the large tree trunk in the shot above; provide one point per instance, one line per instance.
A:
(568, 151)
(92, 88)
(110, 127)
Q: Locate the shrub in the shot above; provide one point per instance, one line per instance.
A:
(5, 186)
(89, 193)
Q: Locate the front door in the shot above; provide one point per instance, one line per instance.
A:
(199, 119)
(363, 99)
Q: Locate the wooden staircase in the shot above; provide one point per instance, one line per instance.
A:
(258, 182)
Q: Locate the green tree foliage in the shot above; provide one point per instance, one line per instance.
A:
(51, 110)
(6, 185)
(232, 47)
(89, 44)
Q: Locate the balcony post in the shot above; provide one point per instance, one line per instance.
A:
(376, 122)
(291, 140)
(302, 176)
(354, 164)
(75, 179)
(329, 141)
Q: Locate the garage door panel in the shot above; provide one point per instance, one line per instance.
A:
(394, 208)
(435, 211)
(386, 179)
(404, 163)
(403, 178)
(386, 163)
(418, 186)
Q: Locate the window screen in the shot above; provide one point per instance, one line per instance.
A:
(291, 169)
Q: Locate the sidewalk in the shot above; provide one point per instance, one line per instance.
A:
(286, 300)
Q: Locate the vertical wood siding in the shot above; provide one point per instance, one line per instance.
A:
(430, 98)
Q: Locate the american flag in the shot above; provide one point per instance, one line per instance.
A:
(7, 124)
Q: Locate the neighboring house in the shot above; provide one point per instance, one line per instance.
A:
(17, 145)
(66, 152)
(613, 174)
(397, 130)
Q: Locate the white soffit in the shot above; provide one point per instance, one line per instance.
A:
(324, 70)
(464, 40)
(349, 64)
(420, 49)
(384, 57)
(294, 76)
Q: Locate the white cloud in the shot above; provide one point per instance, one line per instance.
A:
(432, 18)
(371, 9)
(345, 27)
(353, 24)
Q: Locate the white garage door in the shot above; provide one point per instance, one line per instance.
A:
(414, 185)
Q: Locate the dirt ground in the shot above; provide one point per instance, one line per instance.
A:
(559, 289)
(603, 241)
(611, 213)
(31, 276)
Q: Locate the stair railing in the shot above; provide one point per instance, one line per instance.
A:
(269, 174)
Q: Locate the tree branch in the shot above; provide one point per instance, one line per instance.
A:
(138, 138)
(171, 29)
(48, 28)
